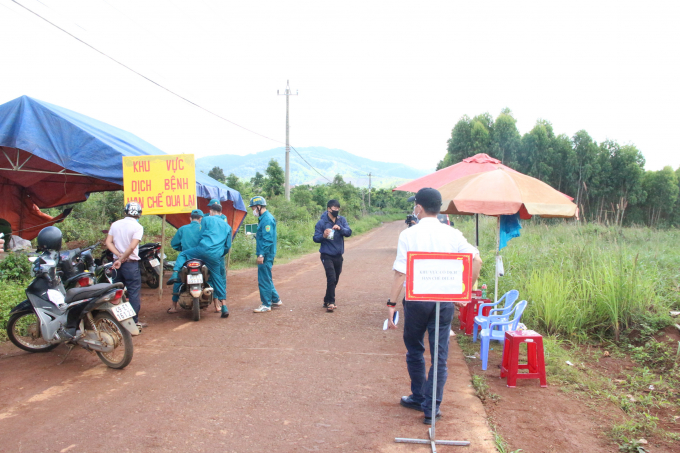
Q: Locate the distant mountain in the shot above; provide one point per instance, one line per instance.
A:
(329, 162)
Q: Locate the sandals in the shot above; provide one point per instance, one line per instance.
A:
(330, 308)
(172, 312)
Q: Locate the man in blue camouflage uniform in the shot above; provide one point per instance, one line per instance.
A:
(187, 237)
(266, 251)
(213, 245)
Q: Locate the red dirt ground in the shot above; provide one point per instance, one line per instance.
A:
(295, 379)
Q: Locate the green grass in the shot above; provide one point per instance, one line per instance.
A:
(588, 282)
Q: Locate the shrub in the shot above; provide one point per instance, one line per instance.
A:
(15, 267)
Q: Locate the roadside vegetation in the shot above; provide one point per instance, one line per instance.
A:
(295, 223)
(600, 296)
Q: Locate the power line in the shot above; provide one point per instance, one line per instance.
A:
(164, 88)
(145, 77)
(310, 165)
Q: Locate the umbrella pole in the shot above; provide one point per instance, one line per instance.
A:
(498, 244)
(477, 230)
(160, 287)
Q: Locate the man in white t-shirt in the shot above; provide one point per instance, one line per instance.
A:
(428, 235)
(123, 241)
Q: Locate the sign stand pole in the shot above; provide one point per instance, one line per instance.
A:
(431, 431)
(160, 277)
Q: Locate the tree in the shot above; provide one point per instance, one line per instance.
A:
(275, 180)
(536, 151)
(257, 181)
(586, 161)
(233, 182)
(627, 170)
(662, 193)
(505, 137)
(217, 173)
(460, 143)
(562, 162)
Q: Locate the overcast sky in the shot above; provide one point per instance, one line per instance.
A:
(383, 80)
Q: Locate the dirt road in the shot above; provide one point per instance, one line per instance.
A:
(295, 379)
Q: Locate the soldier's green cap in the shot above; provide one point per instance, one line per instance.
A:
(197, 212)
(214, 202)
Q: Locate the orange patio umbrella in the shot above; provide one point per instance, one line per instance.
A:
(502, 192)
(476, 164)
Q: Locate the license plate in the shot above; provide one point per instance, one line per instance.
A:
(123, 311)
(154, 262)
(193, 279)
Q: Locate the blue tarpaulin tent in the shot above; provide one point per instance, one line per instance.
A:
(54, 156)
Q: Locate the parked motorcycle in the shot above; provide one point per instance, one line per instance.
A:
(76, 267)
(195, 294)
(149, 262)
(94, 317)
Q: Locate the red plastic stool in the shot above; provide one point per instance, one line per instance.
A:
(463, 309)
(536, 361)
(468, 312)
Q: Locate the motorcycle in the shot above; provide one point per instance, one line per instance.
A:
(76, 267)
(195, 294)
(149, 262)
(97, 318)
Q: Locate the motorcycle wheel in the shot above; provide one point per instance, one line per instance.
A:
(23, 329)
(152, 280)
(196, 309)
(121, 356)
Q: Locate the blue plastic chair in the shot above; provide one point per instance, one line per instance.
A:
(495, 326)
(508, 298)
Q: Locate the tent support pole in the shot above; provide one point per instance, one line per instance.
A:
(160, 286)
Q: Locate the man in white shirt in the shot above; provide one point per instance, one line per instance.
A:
(125, 235)
(428, 235)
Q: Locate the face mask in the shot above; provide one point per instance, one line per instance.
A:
(333, 213)
(255, 213)
(414, 213)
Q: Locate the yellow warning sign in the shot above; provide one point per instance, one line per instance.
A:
(161, 184)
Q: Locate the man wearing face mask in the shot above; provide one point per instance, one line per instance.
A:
(123, 241)
(330, 231)
(428, 235)
(266, 252)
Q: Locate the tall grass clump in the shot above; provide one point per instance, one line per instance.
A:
(585, 281)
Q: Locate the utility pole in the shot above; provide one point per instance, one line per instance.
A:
(287, 94)
(369, 190)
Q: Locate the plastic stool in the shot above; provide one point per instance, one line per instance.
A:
(536, 361)
(468, 312)
(463, 309)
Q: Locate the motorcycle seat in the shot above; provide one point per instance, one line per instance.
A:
(76, 294)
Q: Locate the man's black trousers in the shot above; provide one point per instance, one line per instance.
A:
(332, 264)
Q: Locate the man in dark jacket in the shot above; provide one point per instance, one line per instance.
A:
(331, 231)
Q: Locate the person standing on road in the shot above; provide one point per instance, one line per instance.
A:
(266, 252)
(331, 231)
(187, 237)
(214, 243)
(428, 235)
(125, 235)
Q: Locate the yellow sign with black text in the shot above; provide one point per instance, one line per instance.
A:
(163, 184)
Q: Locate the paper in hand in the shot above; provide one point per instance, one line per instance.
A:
(395, 320)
